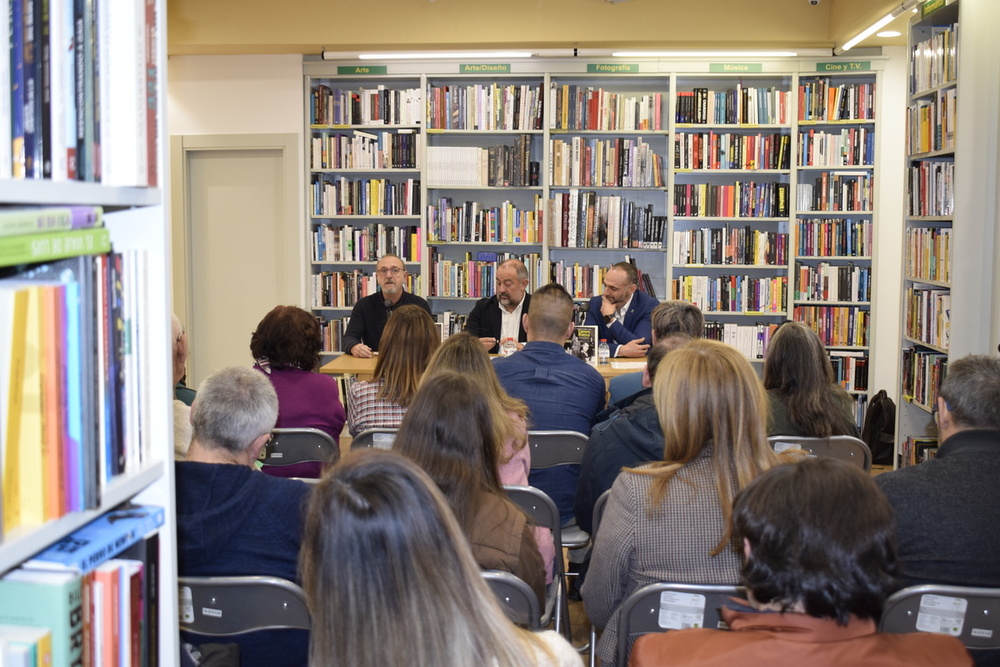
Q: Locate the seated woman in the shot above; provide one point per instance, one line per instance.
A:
(464, 354)
(381, 542)
(669, 520)
(408, 341)
(820, 561)
(285, 347)
(449, 433)
(804, 399)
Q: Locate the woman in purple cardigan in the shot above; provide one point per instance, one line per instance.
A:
(286, 347)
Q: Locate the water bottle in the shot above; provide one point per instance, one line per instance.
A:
(508, 347)
(603, 351)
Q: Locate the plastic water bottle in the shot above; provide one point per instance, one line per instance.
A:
(603, 351)
(508, 347)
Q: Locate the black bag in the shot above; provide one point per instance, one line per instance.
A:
(879, 430)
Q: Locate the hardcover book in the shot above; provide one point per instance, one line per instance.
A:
(582, 344)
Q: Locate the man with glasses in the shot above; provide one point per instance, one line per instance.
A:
(498, 317)
(364, 331)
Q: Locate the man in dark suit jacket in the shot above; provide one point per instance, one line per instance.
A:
(622, 313)
(499, 316)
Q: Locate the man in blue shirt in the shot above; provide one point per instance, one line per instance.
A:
(622, 313)
(562, 392)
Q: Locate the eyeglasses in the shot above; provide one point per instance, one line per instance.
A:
(393, 270)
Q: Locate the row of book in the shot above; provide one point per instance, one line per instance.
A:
(582, 281)
(931, 184)
(930, 123)
(588, 220)
(591, 162)
(495, 166)
(934, 61)
(916, 449)
(922, 373)
(730, 245)
(474, 222)
(837, 191)
(365, 106)
(475, 276)
(332, 243)
(928, 315)
(833, 237)
(732, 294)
(850, 369)
(743, 199)
(364, 150)
(821, 101)
(449, 323)
(331, 331)
(729, 150)
(93, 594)
(833, 282)
(484, 107)
(739, 105)
(365, 196)
(837, 326)
(343, 289)
(63, 93)
(848, 147)
(928, 253)
(587, 108)
(750, 339)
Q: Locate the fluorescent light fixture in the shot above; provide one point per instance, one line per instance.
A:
(888, 33)
(878, 25)
(705, 54)
(428, 55)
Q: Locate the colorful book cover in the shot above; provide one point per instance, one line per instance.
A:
(44, 247)
(16, 221)
(48, 600)
(582, 344)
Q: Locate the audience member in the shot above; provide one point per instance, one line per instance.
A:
(181, 391)
(820, 560)
(498, 317)
(622, 313)
(390, 579)
(670, 520)
(947, 517)
(449, 433)
(231, 519)
(410, 339)
(363, 335)
(804, 399)
(562, 392)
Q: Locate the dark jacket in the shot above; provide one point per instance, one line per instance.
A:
(637, 323)
(369, 317)
(484, 321)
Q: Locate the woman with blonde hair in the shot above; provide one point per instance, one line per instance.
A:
(670, 520)
(390, 579)
(408, 341)
(464, 354)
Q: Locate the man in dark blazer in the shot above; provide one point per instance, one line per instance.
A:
(622, 313)
(499, 316)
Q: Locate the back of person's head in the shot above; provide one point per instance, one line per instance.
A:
(448, 431)
(659, 351)
(971, 389)
(180, 348)
(550, 313)
(409, 339)
(287, 337)
(707, 395)
(234, 407)
(389, 576)
(797, 367)
(821, 536)
(677, 318)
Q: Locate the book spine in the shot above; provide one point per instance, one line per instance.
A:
(56, 245)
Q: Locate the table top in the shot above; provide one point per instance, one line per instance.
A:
(346, 364)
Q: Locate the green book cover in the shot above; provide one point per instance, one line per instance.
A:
(46, 600)
(47, 246)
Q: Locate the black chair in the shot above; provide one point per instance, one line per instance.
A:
(971, 614)
(289, 446)
(558, 448)
(374, 438)
(843, 447)
(519, 602)
(225, 606)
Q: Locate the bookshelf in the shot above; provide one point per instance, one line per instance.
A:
(128, 187)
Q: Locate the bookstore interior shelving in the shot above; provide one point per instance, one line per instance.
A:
(747, 188)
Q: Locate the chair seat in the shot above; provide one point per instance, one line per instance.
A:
(574, 537)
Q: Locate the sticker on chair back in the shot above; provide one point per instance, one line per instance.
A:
(186, 605)
(681, 610)
(941, 614)
(383, 440)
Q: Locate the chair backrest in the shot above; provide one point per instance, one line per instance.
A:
(599, 504)
(555, 448)
(223, 606)
(971, 614)
(288, 446)
(662, 606)
(375, 438)
(544, 514)
(516, 598)
(843, 447)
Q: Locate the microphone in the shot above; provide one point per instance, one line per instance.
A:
(388, 304)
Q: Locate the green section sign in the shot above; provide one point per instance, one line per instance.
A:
(613, 68)
(737, 68)
(485, 68)
(930, 7)
(854, 66)
(362, 69)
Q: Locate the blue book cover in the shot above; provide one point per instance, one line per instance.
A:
(100, 540)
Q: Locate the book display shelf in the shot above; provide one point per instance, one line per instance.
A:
(929, 212)
(86, 418)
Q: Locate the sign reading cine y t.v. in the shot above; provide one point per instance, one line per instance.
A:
(845, 66)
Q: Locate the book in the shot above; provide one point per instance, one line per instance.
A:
(47, 600)
(22, 645)
(107, 605)
(99, 540)
(16, 221)
(31, 248)
(582, 344)
(147, 552)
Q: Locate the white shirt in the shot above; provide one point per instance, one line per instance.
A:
(510, 323)
(620, 314)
